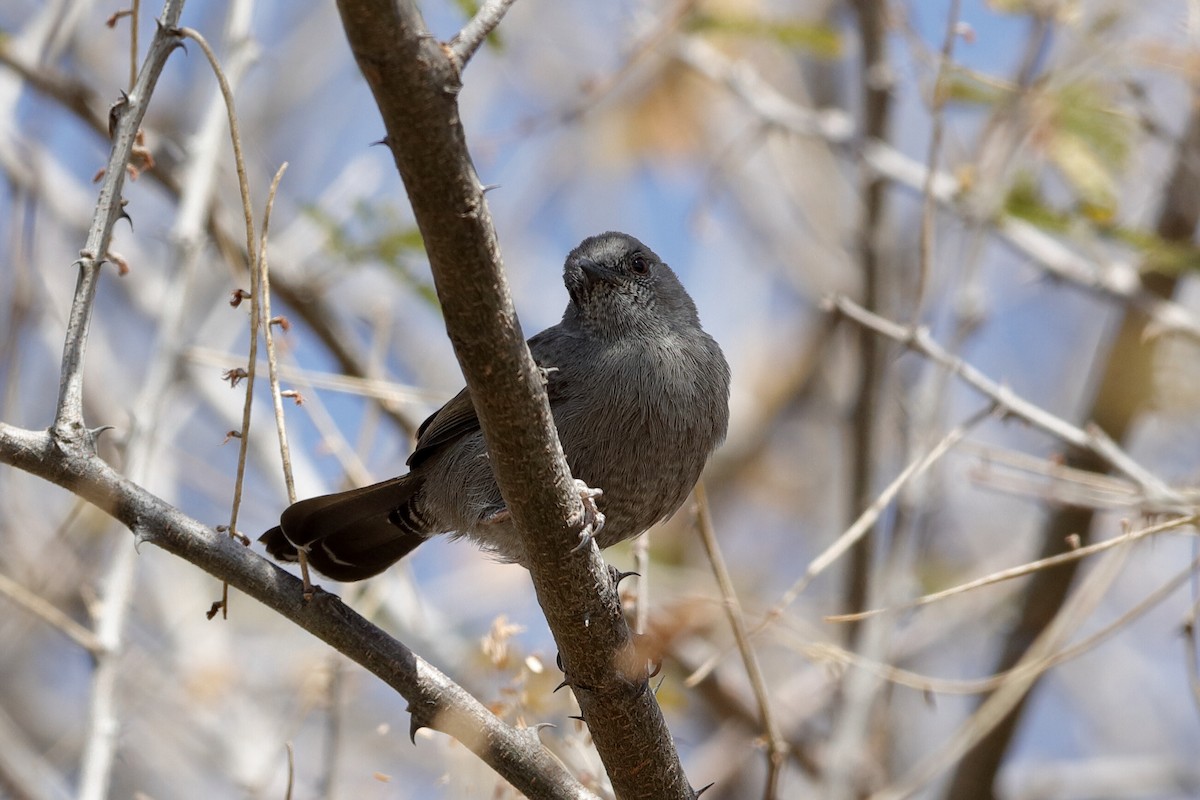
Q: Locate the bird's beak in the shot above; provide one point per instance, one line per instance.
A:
(596, 272)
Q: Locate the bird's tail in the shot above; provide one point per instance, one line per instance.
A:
(352, 535)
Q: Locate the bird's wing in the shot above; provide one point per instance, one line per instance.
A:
(448, 424)
(457, 418)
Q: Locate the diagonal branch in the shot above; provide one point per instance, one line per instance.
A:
(435, 700)
(471, 37)
(125, 119)
(1116, 279)
(415, 83)
(1092, 438)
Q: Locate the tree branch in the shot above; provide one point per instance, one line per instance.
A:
(434, 700)
(471, 37)
(415, 83)
(1092, 438)
(1117, 280)
(125, 120)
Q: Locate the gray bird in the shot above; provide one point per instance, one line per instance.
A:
(640, 397)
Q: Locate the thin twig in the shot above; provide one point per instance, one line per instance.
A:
(264, 288)
(1081, 603)
(128, 114)
(133, 42)
(1009, 402)
(1067, 485)
(1039, 658)
(43, 610)
(852, 534)
(469, 39)
(937, 112)
(255, 310)
(381, 389)
(1022, 570)
(1117, 279)
(924, 683)
(868, 517)
(777, 748)
(641, 565)
(291, 770)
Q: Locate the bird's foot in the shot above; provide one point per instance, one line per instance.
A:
(593, 517)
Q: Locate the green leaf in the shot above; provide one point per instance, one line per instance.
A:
(815, 38)
(1024, 201)
(969, 88)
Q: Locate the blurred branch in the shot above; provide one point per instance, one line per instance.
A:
(1036, 659)
(831, 654)
(68, 432)
(777, 748)
(937, 108)
(415, 84)
(41, 608)
(467, 41)
(24, 772)
(875, 82)
(1125, 390)
(1117, 280)
(103, 724)
(318, 314)
(873, 510)
(1023, 570)
(436, 701)
(1009, 403)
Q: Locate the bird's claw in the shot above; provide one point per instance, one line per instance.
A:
(593, 517)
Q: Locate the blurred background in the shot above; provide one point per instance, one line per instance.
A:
(775, 154)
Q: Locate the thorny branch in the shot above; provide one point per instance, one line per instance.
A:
(435, 700)
(127, 114)
(415, 84)
(469, 39)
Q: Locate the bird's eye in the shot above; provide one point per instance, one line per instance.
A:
(639, 264)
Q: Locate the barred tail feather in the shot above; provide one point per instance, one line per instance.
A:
(352, 535)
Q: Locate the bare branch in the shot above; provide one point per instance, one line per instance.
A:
(49, 614)
(471, 37)
(415, 85)
(937, 105)
(1022, 570)
(1116, 279)
(127, 114)
(1009, 402)
(435, 700)
(318, 313)
(777, 748)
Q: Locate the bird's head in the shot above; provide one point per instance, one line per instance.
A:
(619, 287)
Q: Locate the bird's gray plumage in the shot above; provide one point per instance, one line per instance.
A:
(640, 398)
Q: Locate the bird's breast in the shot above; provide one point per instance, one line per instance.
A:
(639, 423)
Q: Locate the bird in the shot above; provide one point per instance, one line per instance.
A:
(639, 393)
